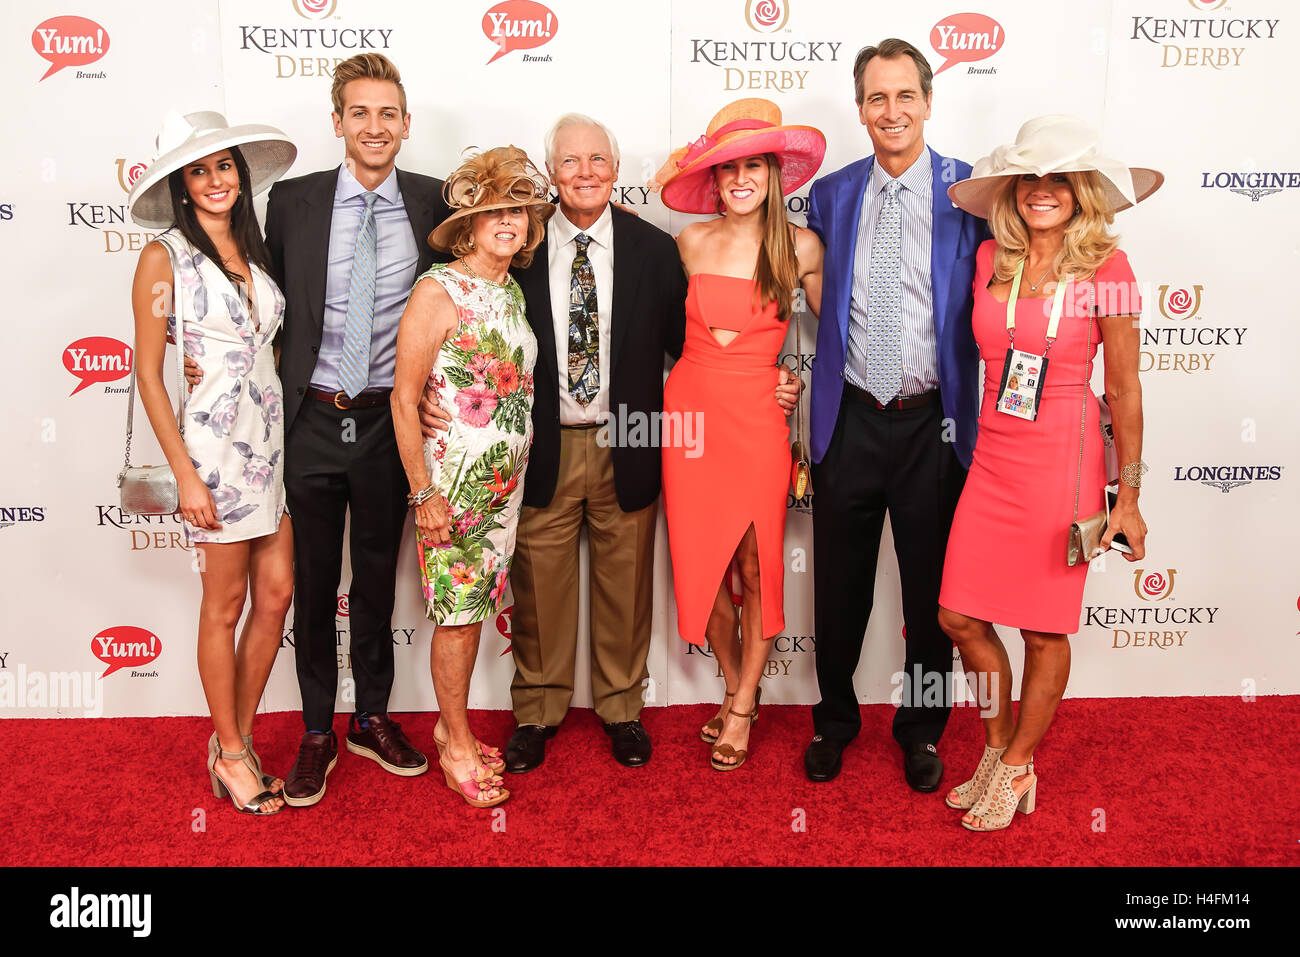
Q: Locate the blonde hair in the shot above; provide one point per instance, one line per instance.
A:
(1088, 240)
(365, 66)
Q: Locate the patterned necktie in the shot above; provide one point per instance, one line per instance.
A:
(885, 301)
(354, 364)
(584, 332)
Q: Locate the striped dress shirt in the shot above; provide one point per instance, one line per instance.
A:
(917, 342)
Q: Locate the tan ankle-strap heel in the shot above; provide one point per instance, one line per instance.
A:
(969, 793)
(997, 807)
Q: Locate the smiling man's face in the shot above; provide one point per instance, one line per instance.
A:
(583, 171)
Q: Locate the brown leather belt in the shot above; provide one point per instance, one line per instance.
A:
(896, 404)
(365, 400)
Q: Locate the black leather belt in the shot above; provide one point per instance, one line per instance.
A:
(893, 405)
(364, 400)
(583, 427)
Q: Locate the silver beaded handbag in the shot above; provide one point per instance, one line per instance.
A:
(152, 489)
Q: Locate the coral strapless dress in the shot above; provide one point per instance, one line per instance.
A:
(726, 451)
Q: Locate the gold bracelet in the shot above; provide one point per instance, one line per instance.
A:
(1131, 474)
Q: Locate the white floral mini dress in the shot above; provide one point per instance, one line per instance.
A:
(483, 376)
(234, 418)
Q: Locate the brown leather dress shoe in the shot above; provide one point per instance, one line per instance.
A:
(382, 741)
(317, 755)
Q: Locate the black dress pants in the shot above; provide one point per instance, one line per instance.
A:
(878, 460)
(337, 460)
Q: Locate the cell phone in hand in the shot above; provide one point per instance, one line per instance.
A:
(1119, 542)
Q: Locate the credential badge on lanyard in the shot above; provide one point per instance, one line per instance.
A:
(1024, 373)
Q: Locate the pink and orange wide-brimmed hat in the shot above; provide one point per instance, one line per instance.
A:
(746, 127)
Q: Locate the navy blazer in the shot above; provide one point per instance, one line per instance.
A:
(834, 209)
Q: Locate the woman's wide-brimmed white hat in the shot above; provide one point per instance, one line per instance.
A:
(184, 139)
(1053, 144)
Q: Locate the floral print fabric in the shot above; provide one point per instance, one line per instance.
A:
(234, 417)
(483, 376)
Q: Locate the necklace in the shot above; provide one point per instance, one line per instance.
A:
(1034, 285)
(469, 270)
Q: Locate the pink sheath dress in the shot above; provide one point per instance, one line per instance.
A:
(1006, 552)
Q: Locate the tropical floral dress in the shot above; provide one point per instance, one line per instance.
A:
(483, 375)
(234, 418)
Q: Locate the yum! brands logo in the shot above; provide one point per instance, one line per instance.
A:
(98, 359)
(520, 25)
(315, 9)
(126, 646)
(69, 41)
(1154, 586)
(503, 627)
(767, 16)
(967, 38)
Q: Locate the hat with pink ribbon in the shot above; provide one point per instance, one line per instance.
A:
(748, 127)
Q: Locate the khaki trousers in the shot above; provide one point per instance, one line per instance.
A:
(544, 579)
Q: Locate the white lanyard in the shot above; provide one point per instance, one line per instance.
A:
(1058, 306)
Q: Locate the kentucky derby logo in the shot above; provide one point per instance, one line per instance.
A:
(1154, 586)
(767, 16)
(519, 25)
(965, 38)
(315, 9)
(1181, 303)
(69, 41)
(341, 611)
(127, 175)
(1205, 6)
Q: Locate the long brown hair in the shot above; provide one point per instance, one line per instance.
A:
(243, 221)
(777, 271)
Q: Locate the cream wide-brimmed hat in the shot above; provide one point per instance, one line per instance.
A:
(184, 139)
(499, 178)
(742, 128)
(1056, 143)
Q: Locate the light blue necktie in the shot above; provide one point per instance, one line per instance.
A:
(885, 301)
(354, 364)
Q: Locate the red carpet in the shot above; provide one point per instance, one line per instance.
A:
(1189, 781)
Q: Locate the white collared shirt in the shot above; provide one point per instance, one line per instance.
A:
(560, 250)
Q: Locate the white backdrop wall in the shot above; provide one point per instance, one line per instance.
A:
(1186, 86)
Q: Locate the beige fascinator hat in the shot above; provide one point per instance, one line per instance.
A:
(498, 178)
(1053, 144)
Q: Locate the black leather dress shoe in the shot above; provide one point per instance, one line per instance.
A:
(922, 767)
(821, 761)
(630, 741)
(526, 748)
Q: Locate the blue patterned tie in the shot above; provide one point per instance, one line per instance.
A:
(354, 364)
(584, 329)
(885, 302)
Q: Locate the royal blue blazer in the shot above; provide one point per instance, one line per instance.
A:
(834, 208)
